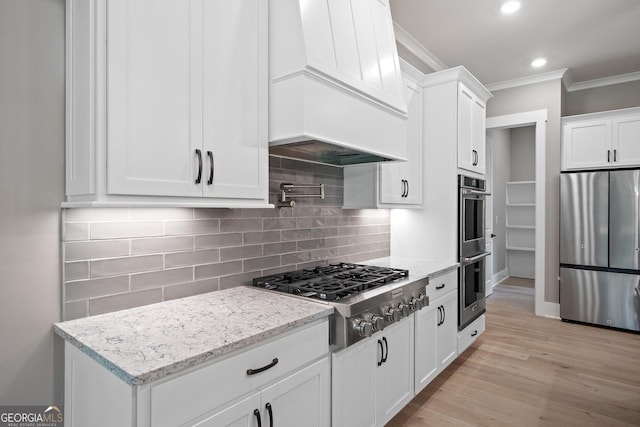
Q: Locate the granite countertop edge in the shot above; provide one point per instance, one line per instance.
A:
(152, 374)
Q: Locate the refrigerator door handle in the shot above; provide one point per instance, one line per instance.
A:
(608, 156)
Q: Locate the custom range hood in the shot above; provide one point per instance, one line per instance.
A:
(336, 90)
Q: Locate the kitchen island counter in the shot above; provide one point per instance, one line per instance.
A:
(147, 343)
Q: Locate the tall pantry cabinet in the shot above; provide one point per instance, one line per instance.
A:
(167, 102)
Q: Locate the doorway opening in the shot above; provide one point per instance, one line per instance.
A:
(520, 227)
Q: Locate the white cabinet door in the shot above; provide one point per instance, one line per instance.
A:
(152, 86)
(626, 141)
(401, 182)
(447, 330)
(426, 349)
(587, 145)
(301, 399)
(245, 413)
(478, 135)
(466, 157)
(235, 99)
(394, 377)
(353, 384)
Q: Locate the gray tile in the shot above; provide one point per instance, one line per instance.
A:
(123, 301)
(331, 242)
(254, 264)
(196, 226)
(305, 211)
(189, 289)
(292, 235)
(278, 270)
(218, 269)
(312, 222)
(76, 270)
(211, 241)
(261, 237)
(179, 259)
(261, 213)
(76, 231)
(85, 289)
(324, 232)
(227, 225)
(98, 249)
(279, 223)
(157, 245)
(279, 248)
(240, 252)
(350, 230)
(117, 266)
(305, 245)
(312, 264)
(122, 230)
(274, 162)
(297, 165)
(217, 213)
(160, 213)
(295, 258)
(237, 280)
(76, 310)
(329, 211)
(357, 240)
(324, 253)
(97, 214)
(335, 171)
(157, 279)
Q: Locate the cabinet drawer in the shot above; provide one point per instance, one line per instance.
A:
(199, 391)
(440, 286)
(470, 334)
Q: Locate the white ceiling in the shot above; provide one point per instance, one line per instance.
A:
(594, 39)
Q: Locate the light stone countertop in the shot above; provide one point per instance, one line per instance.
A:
(146, 343)
(418, 268)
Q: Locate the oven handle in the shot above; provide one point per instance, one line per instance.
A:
(470, 191)
(471, 260)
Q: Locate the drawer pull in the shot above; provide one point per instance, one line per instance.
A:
(264, 368)
(440, 287)
(270, 411)
(257, 414)
(474, 333)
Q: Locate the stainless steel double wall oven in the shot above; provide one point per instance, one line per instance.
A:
(472, 249)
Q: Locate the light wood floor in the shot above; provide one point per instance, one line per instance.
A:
(531, 371)
(518, 281)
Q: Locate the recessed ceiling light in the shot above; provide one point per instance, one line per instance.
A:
(510, 7)
(538, 62)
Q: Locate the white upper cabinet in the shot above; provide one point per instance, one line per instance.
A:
(167, 102)
(392, 184)
(604, 140)
(471, 130)
(335, 78)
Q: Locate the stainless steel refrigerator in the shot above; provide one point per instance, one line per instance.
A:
(600, 248)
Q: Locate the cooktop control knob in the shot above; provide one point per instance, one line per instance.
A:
(424, 299)
(378, 322)
(404, 309)
(393, 314)
(416, 303)
(364, 328)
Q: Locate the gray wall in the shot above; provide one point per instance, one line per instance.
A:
(31, 189)
(612, 97)
(523, 153)
(546, 95)
(122, 258)
(501, 148)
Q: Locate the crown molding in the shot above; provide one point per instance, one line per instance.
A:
(416, 48)
(606, 81)
(528, 80)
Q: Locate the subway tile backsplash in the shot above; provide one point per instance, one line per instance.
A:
(117, 258)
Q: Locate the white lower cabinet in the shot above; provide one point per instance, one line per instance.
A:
(289, 387)
(470, 334)
(436, 330)
(373, 380)
(301, 399)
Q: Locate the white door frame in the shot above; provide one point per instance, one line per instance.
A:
(538, 119)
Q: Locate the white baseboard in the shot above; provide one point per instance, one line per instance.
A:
(549, 309)
(500, 276)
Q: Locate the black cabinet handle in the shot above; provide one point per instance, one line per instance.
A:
(444, 314)
(440, 287)
(381, 352)
(407, 193)
(404, 188)
(474, 333)
(615, 152)
(257, 414)
(609, 156)
(439, 315)
(199, 177)
(386, 345)
(270, 411)
(264, 368)
(210, 181)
